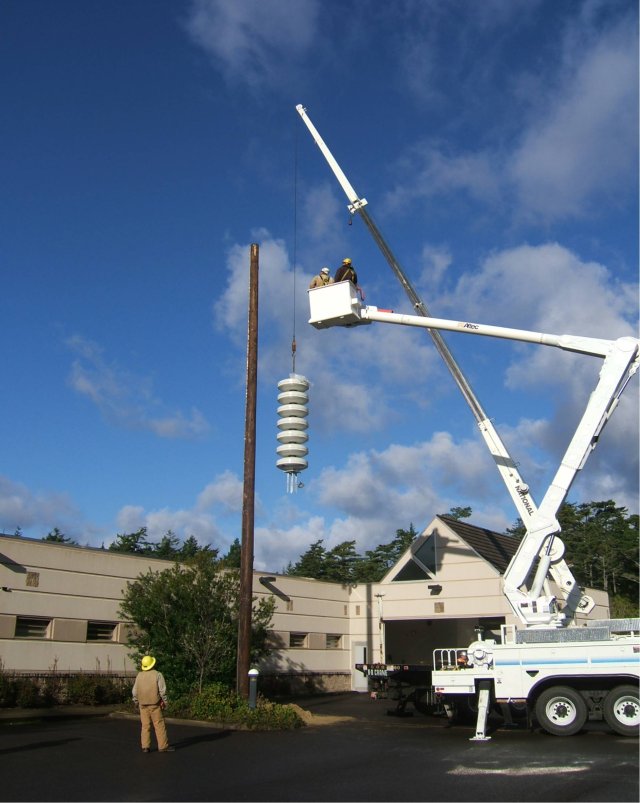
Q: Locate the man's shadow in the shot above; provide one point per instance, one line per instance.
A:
(37, 745)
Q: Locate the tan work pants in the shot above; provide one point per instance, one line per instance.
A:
(152, 714)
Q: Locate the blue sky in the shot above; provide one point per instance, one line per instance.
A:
(147, 144)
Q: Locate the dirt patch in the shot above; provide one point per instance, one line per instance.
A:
(318, 719)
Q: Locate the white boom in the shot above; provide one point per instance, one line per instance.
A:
(535, 606)
(339, 305)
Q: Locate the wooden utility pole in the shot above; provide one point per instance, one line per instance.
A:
(248, 497)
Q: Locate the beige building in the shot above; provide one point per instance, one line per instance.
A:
(59, 608)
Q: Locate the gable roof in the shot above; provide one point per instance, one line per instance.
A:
(496, 549)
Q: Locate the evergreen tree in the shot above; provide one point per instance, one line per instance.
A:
(340, 562)
(460, 512)
(311, 563)
(57, 537)
(168, 548)
(233, 556)
(133, 543)
(377, 562)
(343, 564)
(190, 548)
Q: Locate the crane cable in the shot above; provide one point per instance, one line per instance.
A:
(295, 246)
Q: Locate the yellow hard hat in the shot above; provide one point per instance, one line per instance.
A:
(148, 662)
(346, 261)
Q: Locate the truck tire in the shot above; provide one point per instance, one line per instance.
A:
(561, 711)
(622, 710)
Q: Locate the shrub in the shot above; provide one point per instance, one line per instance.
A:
(28, 693)
(47, 690)
(8, 691)
(96, 690)
(217, 702)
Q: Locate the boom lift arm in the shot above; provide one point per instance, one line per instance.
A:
(540, 544)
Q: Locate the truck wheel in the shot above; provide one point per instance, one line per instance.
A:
(622, 710)
(561, 711)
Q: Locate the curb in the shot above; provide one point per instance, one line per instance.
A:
(200, 723)
(10, 716)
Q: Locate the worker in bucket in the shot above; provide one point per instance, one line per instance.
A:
(322, 279)
(346, 271)
(150, 694)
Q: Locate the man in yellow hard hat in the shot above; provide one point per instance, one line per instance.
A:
(150, 694)
(346, 271)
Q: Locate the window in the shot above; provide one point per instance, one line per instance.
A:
(32, 627)
(423, 563)
(100, 631)
(297, 639)
(334, 641)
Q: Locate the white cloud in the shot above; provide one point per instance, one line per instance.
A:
(569, 148)
(275, 545)
(376, 492)
(220, 498)
(230, 309)
(404, 484)
(320, 213)
(39, 511)
(183, 523)
(345, 364)
(125, 399)
(436, 173)
(582, 148)
(226, 490)
(368, 494)
(435, 263)
(253, 41)
(549, 289)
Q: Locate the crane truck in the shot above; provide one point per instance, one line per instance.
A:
(561, 673)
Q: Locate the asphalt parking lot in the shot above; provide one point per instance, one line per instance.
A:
(366, 756)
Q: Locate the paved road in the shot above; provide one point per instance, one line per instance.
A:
(372, 758)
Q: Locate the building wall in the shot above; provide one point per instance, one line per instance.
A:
(70, 587)
(320, 630)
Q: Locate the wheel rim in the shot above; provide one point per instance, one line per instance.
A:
(561, 711)
(627, 710)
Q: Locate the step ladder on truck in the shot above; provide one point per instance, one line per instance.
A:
(560, 673)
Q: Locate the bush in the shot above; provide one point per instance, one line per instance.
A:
(217, 702)
(8, 692)
(28, 693)
(47, 690)
(96, 690)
